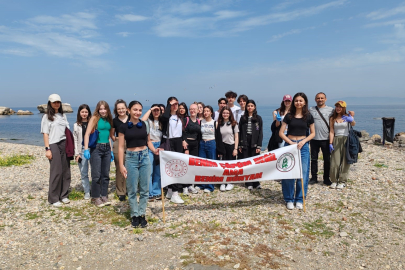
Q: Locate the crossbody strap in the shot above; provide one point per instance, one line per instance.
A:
(320, 114)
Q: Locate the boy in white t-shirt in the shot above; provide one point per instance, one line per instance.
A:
(231, 97)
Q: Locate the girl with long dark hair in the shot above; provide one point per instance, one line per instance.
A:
(183, 111)
(172, 129)
(230, 139)
(79, 130)
(340, 122)
(101, 156)
(299, 120)
(53, 128)
(250, 136)
(137, 167)
(153, 116)
(121, 118)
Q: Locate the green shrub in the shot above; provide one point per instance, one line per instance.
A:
(15, 160)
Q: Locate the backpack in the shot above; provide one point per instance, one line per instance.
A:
(353, 146)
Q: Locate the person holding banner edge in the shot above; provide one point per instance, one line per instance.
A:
(137, 169)
(299, 119)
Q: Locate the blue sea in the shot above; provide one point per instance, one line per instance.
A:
(25, 129)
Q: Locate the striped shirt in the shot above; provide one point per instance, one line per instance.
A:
(249, 125)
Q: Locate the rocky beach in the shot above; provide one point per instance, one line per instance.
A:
(359, 227)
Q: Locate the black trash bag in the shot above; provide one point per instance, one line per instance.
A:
(388, 129)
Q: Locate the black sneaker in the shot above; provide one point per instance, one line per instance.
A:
(313, 181)
(135, 222)
(121, 198)
(328, 182)
(143, 221)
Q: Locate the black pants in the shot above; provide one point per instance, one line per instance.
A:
(176, 145)
(324, 146)
(59, 177)
(250, 152)
(228, 152)
(192, 147)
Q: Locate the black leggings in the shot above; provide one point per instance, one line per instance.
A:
(228, 152)
(250, 152)
(176, 145)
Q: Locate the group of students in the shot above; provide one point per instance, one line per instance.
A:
(134, 138)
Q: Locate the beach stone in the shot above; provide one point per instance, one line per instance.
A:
(365, 136)
(236, 266)
(343, 234)
(376, 138)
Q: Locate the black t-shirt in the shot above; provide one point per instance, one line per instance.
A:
(192, 130)
(116, 124)
(134, 136)
(84, 128)
(298, 126)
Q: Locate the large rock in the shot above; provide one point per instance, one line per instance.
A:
(376, 138)
(364, 136)
(65, 106)
(21, 112)
(5, 111)
(400, 137)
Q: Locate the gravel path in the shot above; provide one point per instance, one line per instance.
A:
(360, 227)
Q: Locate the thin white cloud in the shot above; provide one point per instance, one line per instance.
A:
(189, 8)
(386, 13)
(386, 23)
(286, 4)
(124, 34)
(66, 36)
(275, 38)
(285, 16)
(131, 17)
(228, 14)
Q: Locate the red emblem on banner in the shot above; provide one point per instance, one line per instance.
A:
(176, 168)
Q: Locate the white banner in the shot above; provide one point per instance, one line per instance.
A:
(282, 163)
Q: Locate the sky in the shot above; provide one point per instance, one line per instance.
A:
(88, 51)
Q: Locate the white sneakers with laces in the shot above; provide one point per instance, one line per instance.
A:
(229, 187)
(185, 191)
(222, 187)
(65, 200)
(192, 190)
(341, 186)
(299, 206)
(57, 204)
(176, 198)
(290, 205)
(169, 193)
(333, 186)
(207, 190)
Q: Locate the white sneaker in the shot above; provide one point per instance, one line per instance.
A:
(222, 187)
(229, 187)
(185, 191)
(299, 205)
(207, 190)
(290, 205)
(333, 186)
(341, 186)
(259, 187)
(87, 196)
(192, 190)
(57, 204)
(169, 193)
(250, 187)
(65, 200)
(176, 198)
(197, 188)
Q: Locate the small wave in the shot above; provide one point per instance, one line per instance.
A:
(377, 118)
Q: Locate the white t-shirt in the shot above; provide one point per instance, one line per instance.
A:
(234, 110)
(175, 127)
(216, 115)
(208, 130)
(239, 114)
(55, 128)
(154, 132)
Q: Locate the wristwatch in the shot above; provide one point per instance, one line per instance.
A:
(47, 148)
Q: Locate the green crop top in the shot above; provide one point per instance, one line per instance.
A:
(103, 127)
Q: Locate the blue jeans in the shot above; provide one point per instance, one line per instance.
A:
(100, 161)
(84, 173)
(138, 167)
(154, 182)
(207, 149)
(289, 184)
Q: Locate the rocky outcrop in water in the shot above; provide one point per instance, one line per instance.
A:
(65, 106)
(5, 111)
(21, 112)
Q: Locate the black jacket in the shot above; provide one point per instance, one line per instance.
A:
(257, 132)
(275, 137)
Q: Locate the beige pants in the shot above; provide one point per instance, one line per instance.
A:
(339, 169)
(120, 181)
